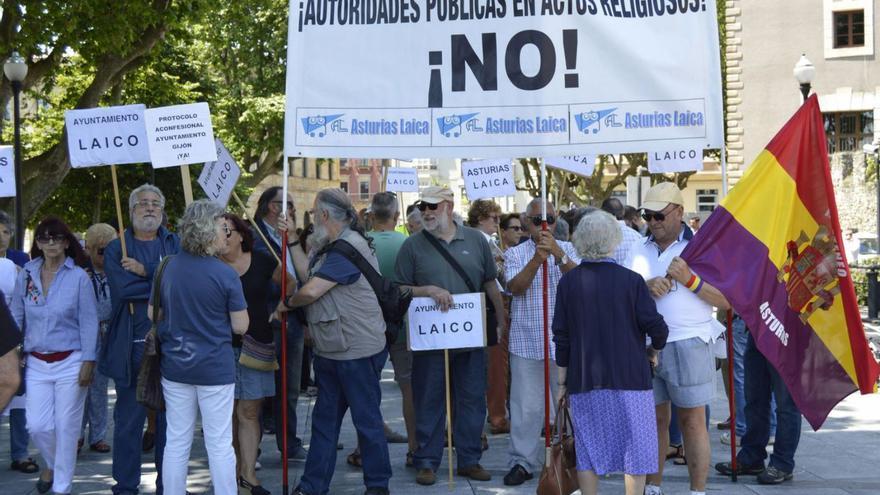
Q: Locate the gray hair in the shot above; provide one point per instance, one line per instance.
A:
(337, 204)
(414, 216)
(197, 227)
(133, 197)
(6, 220)
(535, 206)
(597, 235)
(384, 206)
(560, 231)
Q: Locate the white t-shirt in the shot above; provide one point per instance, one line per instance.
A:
(686, 315)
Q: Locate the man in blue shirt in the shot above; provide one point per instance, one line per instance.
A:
(131, 280)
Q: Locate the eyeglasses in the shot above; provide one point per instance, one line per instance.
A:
(48, 238)
(144, 203)
(515, 228)
(289, 203)
(537, 220)
(428, 206)
(227, 230)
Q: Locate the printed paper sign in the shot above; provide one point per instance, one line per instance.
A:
(218, 178)
(7, 172)
(180, 135)
(462, 326)
(488, 178)
(501, 79)
(106, 136)
(681, 160)
(402, 180)
(579, 164)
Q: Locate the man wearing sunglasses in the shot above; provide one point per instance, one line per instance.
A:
(685, 375)
(131, 281)
(523, 265)
(422, 267)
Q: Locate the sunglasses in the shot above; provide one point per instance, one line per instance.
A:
(227, 230)
(537, 220)
(427, 206)
(47, 238)
(656, 215)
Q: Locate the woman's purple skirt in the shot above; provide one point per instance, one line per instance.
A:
(615, 431)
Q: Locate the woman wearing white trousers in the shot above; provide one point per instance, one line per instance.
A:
(54, 305)
(202, 304)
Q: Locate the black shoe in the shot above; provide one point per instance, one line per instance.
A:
(773, 476)
(517, 476)
(726, 469)
(376, 491)
(254, 489)
(724, 425)
(43, 486)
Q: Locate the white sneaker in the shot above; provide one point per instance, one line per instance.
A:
(653, 490)
(258, 466)
(725, 438)
(771, 441)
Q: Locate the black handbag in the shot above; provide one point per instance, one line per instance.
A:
(149, 381)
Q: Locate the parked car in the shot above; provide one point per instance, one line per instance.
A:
(867, 247)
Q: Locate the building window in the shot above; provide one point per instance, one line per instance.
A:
(344, 186)
(707, 199)
(364, 190)
(849, 29)
(848, 131)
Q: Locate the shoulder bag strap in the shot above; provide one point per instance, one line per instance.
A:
(157, 285)
(352, 254)
(449, 259)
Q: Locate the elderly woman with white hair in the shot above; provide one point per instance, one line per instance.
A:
(201, 305)
(603, 313)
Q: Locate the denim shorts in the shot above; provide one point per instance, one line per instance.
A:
(251, 384)
(686, 374)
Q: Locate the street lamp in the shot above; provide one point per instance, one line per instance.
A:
(16, 70)
(804, 72)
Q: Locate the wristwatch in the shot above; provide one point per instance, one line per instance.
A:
(562, 261)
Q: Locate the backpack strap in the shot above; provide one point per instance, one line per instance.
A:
(352, 254)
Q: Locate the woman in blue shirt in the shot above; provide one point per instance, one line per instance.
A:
(603, 314)
(203, 304)
(54, 305)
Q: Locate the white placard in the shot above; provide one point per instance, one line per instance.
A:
(675, 160)
(488, 178)
(501, 79)
(578, 164)
(106, 136)
(218, 178)
(7, 172)
(180, 135)
(402, 180)
(462, 326)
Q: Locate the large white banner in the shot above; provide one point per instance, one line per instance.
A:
(218, 178)
(180, 135)
(501, 79)
(462, 326)
(106, 136)
(7, 172)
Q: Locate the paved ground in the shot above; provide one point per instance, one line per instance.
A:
(842, 458)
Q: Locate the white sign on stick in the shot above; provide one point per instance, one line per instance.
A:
(462, 326)
(402, 180)
(500, 79)
(218, 178)
(180, 135)
(106, 136)
(680, 160)
(488, 178)
(578, 164)
(7, 172)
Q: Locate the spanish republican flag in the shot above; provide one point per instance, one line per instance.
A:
(773, 248)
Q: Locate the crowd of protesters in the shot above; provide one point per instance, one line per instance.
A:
(633, 341)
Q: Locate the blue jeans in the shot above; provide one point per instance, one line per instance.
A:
(762, 381)
(740, 342)
(128, 430)
(294, 370)
(343, 385)
(18, 435)
(95, 411)
(468, 376)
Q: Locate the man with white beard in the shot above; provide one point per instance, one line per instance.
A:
(348, 329)
(422, 266)
(131, 281)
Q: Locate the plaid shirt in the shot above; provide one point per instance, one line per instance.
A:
(527, 310)
(623, 253)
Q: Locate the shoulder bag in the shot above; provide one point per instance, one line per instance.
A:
(149, 381)
(559, 476)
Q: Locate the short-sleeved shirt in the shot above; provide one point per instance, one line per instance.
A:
(419, 263)
(337, 268)
(256, 284)
(197, 295)
(386, 244)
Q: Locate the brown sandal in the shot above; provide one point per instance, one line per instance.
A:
(100, 446)
(354, 459)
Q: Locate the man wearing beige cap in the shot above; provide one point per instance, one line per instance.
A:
(443, 259)
(685, 373)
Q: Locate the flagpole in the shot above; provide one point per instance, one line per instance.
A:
(283, 432)
(545, 295)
